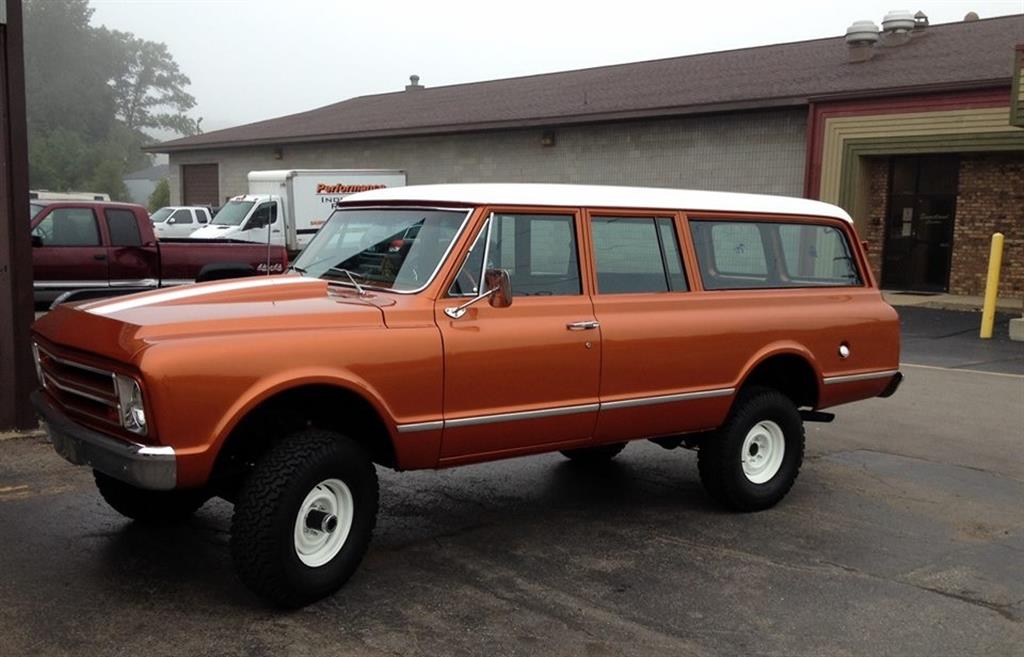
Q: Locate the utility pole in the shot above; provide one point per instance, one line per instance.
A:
(17, 376)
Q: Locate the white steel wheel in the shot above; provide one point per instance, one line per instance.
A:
(763, 451)
(323, 522)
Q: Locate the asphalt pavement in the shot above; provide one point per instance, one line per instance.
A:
(903, 536)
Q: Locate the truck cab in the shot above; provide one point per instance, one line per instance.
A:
(248, 218)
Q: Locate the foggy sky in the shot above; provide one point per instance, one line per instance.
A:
(256, 59)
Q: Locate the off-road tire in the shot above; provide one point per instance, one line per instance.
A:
(262, 541)
(591, 455)
(149, 506)
(719, 455)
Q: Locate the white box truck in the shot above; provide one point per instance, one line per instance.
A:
(289, 206)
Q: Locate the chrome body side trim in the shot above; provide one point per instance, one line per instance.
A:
(520, 415)
(138, 282)
(667, 399)
(866, 376)
(421, 426)
(562, 410)
(60, 285)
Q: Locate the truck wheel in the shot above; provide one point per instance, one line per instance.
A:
(304, 517)
(599, 454)
(752, 461)
(150, 506)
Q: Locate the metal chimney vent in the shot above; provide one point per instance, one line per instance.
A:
(414, 83)
(898, 21)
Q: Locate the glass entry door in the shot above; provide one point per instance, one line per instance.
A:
(919, 225)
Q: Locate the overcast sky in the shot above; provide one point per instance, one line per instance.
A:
(257, 59)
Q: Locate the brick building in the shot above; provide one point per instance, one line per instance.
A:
(909, 129)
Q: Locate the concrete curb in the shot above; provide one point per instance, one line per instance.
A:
(22, 433)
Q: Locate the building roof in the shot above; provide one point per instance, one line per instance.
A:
(154, 173)
(950, 56)
(599, 196)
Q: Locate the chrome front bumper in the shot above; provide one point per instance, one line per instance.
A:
(154, 468)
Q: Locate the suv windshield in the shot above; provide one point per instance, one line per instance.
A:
(232, 213)
(398, 249)
(161, 215)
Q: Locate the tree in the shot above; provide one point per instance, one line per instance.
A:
(149, 87)
(92, 96)
(161, 196)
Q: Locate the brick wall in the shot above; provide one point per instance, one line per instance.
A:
(877, 171)
(750, 151)
(990, 199)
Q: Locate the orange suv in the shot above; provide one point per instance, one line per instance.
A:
(432, 326)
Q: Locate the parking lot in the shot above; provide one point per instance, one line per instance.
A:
(903, 536)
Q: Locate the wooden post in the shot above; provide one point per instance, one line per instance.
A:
(17, 372)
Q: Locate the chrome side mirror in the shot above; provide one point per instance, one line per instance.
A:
(498, 294)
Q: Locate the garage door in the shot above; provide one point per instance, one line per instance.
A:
(199, 184)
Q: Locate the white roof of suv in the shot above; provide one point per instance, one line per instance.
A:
(602, 196)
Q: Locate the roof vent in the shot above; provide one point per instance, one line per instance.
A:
(971, 17)
(414, 83)
(920, 20)
(861, 37)
(898, 21)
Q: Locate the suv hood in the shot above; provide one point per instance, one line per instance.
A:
(118, 327)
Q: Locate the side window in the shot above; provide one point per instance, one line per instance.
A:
(636, 255)
(817, 255)
(201, 215)
(741, 255)
(181, 217)
(263, 216)
(68, 227)
(539, 252)
(123, 228)
(467, 283)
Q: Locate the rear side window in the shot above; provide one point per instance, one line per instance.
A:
(123, 228)
(737, 255)
(636, 255)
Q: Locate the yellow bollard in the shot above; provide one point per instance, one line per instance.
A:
(995, 261)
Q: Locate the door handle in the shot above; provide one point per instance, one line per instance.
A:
(99, 256)
(583, 326)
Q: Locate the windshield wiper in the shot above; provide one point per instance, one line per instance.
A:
(351, 277)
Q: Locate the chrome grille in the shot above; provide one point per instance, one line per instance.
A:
(82, 389)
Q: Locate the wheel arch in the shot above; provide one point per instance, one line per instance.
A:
(788, 367)
(324, 400)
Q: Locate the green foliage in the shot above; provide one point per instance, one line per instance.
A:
(92, 95)
(161, 196)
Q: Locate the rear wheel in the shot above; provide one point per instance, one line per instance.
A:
(304, 517)
(600, 454)
(753, 460)
(149, 506)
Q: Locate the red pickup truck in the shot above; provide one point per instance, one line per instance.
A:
(110, 248)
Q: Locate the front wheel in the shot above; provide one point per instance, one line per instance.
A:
(753, 460)
(304, 517)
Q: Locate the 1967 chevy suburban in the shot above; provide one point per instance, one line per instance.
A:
(432, 326)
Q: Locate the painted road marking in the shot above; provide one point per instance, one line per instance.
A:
(958, 369)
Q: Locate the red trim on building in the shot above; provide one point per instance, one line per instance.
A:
(819, 112)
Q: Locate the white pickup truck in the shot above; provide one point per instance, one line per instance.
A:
(289, 206)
